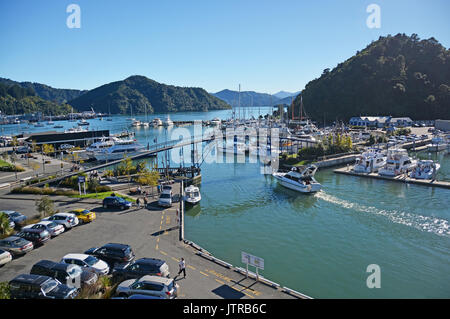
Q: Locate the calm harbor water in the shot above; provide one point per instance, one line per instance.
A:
(322, 244)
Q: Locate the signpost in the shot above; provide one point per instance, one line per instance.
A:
(82, 180)
(254, 261)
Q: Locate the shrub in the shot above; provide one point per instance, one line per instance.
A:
(4, 291)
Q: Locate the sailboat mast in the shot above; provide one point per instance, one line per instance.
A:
(239, 103)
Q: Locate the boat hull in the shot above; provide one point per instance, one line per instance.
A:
(311, 188)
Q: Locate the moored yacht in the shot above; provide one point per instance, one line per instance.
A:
(303, 181)
(370, 161)
(119, 150)
(438, 143)
(157, 122)
(136, 123)
(75, 130)
(216, 121)
(398, 162)
(100, 145)
(192, 195)
(83, 122)
(425, 169)
(168, 122)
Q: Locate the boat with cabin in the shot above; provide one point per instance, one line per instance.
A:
(192, 195)
(300, 181)
(370, 161)
(398, 162)
(425, 169)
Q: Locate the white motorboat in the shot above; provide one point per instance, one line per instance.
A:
(370, 161)
(136, 123)
(83, 122)
(168, 122)
(303, 182)
(119, 150)
(398, 162)
(145, 124)
(75, 130)
(38, 124)
(425, 169)
(100, 145)
(192, 195)
(157, 122)
(216, 121)
(438, 143)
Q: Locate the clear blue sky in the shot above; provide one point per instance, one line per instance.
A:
(267, 46)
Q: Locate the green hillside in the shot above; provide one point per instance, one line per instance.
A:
(15, 99)
(396, 75)
(143, 94)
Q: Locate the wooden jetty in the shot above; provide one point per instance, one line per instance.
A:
(399, 179)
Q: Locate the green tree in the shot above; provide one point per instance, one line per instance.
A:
(4, 224)
(45, 206)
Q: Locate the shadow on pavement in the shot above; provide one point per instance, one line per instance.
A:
(227, 292)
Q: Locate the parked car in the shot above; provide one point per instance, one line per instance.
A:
(71, 275)
(113, 254)
(140, 268)
(27, 286)
(116, 202)
(65, 147)
(66, 219)
(84, 215)
(18, 218)
(165, 200)
(16, 245)
(53, 228)
(148, 285)
(37, 236)
(5, 257)
(167, 189)
(23, 150)
(88, 262)
(145, 297)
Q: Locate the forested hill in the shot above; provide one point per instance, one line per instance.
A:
(396, 75)
(143, 94)
(47, 92)
(15, 99)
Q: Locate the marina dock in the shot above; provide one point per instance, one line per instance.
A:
(399, 179)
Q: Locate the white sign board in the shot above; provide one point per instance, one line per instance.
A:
(252, 260)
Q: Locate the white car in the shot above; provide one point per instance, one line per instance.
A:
(167, 189)
(65, 147)
(68, 220)
(165, 200)
(88, 262)
(5, 257)
(53, 228)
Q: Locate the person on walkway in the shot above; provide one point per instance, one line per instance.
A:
(138, 203)
(145, 202)
(182, 265)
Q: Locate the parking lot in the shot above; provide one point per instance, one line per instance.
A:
(150, 233)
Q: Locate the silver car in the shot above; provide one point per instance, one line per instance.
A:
(68, 220)
(149, 285)
(16, 245)
(53, 228)
(5, 257)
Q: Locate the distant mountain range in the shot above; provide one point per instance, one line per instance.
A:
(136, 94)
(251, 98)
(46, 92)
(284, 94)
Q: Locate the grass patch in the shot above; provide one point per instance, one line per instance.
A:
(102, 195)
(8, 167)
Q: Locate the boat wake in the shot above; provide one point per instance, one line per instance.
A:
(430, 224)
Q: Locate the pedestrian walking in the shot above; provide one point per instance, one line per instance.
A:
(145, 202)
(138, 203)
(182, 265)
